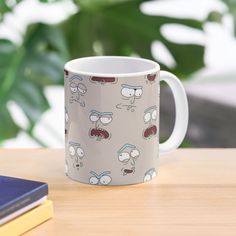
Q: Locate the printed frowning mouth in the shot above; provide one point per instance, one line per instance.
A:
(100, 133)
(103, 79)
(151, 77)
(152, 130)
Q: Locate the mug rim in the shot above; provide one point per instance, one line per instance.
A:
(69, 67)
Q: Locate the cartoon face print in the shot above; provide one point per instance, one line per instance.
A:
(103, 80)
(151, 78)
(150, 115)
(76, 153)
(128, 155)
(130, 94)
(100, 119)
(66, 121)
(66, 73)
(149, 175)
(77, 90)
(100, 179)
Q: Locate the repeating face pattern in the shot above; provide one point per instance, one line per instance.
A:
(149, 175)
(128, 155)
(100, 120)
(66, 121)
(66, 73)
(129, 94)
(76, 153)
(151, 78)
(102, 127)
(103, 178)
(78, 90)
(150, 115)
(103, 80)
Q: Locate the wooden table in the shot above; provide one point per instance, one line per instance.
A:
(194, 194)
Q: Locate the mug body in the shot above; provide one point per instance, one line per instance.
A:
(111, 120)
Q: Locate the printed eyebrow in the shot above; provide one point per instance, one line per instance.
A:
(94, 174)
(150, 108)
(106, 113)
(74, 144)
(74, 77)
(104, 173)
(125, 146)
(131, 86)
(100, 175)
(94, 111)
(101, 113)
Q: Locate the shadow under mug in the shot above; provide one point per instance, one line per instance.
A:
(112, 119)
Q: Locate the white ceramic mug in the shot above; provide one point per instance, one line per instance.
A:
(112, 119)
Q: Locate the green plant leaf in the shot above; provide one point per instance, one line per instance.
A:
(5, 7)
(25, 70)
(232, 10)
(91, 5)
(8, 128)
(122, 29)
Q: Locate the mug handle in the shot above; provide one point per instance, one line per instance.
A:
(181, 113)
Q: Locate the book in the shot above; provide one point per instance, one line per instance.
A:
(16, 194)
(28, 220)
(22, 211)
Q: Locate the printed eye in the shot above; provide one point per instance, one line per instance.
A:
(147, 117)
(94, 117)
(82, 88)
(124, 157)
(93, 180)
(80, 152)
(73, 89)
(134, 153)
(106, 119)
(154, 174)
(147, 177)
(106, 179)
(154, 115)
(138, 92)
(127, 92)
(72, 150)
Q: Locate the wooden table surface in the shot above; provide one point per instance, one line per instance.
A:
(194, 194)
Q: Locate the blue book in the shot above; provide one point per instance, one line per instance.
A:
(16, 194)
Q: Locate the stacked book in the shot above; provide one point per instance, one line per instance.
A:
(23, 205)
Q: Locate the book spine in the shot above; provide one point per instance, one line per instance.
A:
(27, 221)
(25, 200)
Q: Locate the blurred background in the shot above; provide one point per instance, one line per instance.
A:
(195, 39)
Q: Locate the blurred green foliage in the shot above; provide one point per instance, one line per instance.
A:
(102, 27)
(232, 10)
